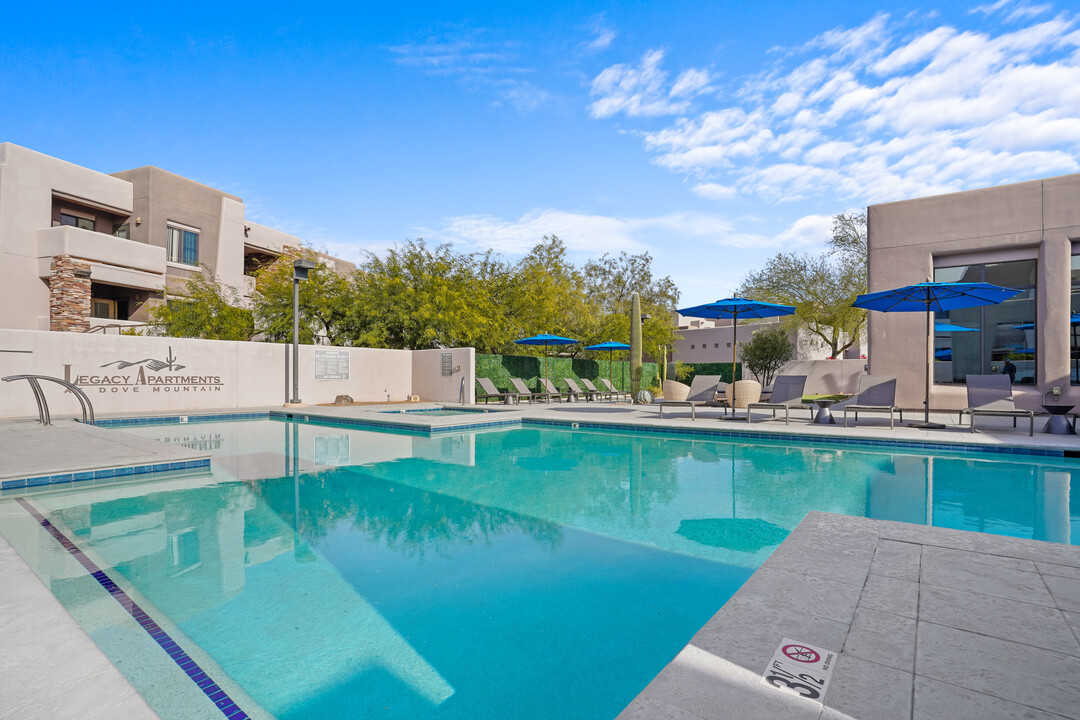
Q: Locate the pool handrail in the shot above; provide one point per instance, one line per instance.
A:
(43, 406)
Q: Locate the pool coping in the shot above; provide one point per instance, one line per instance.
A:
(883, 596)
(984, 442)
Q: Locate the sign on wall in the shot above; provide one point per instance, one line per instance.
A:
(331, 364)
(143, 375)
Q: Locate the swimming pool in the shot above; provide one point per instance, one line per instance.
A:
(529, 572)
(437, 412)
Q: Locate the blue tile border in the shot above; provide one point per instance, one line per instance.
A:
(175, 419)
(103, 474)
(195, 673)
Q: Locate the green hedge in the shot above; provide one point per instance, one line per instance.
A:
(721, 369)
(500, 368)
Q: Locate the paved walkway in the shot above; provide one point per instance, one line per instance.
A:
(32, 450)
(929, 623)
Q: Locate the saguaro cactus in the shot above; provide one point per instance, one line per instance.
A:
(635, 344)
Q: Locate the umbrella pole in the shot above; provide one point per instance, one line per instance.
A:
(734, 348)
(929, 364)
(926, 424)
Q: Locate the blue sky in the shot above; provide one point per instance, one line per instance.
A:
(711, 135)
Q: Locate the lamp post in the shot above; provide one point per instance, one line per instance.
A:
(301, 268)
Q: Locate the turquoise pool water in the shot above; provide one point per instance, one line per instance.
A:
(525, 573)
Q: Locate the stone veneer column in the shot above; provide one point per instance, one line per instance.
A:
(69, 295)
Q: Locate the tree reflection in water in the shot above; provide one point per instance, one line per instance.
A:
(401, 518)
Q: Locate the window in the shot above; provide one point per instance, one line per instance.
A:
(122, 231)
(691, 347)
(1074, 324)
(183, 245)
(716, 345)
(997, 338)
(103, 308)
(84, 223)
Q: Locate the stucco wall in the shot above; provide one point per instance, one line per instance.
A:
(28, 180)
(206, 374)
(429, 382)
(1038, 219)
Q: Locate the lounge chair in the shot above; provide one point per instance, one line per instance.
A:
(550, 389)
(787, 393)
(598, 394)
(575, 391)
(524, 393)
(703, 391)
(490, 391)
(615, 393)
(992, 395)
(877, 393)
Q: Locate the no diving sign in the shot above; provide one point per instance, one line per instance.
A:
(800, 668)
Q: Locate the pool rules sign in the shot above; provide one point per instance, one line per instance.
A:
(800, 668)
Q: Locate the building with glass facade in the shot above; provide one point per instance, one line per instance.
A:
(1024, 236)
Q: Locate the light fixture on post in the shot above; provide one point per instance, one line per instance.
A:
(301, 268)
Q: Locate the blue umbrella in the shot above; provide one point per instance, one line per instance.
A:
(545, 340)
(611, 346)
(736, 308)
(933, 297)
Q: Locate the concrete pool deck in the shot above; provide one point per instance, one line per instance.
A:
(879, 593)
(927, 623)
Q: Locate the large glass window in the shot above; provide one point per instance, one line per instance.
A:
(1074, 323)
(991, 338)
(183, 245)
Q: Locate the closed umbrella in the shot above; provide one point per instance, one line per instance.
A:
(736, 308)
(611, 346)
(931, 297)
(545, 340)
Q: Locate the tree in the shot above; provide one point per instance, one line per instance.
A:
(207, 309)
(609, 284)
(767, 352)
(325, 301)
(821, 287)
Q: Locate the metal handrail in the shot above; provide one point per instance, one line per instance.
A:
(43, 406)
(103, 329)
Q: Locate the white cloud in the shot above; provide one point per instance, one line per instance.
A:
(641, 91)
(715, 191)
(878, 112)
(1014, 10)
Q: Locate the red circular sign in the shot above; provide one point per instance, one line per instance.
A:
(800, 653)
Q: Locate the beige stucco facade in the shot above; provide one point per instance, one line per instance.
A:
(118, 226)
(1036, 221)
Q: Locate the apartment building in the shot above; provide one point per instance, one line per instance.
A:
(81, 249)
(709, 341)
(1024, 236)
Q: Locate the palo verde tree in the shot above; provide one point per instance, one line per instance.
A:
(821, 287)
(206, 309)
(325, 300)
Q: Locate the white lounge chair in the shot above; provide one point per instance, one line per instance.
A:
(877, 393)
(490, 391)
(616, 393)
(992, 395)
(787, 393)
(703, 391)
(524, 393)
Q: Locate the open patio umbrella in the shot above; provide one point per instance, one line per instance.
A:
(545, 340)
(933, 297)
(736, 308)
(611, 346)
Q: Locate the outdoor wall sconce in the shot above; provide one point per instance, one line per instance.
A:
(247, 230)
(138, 221)
(82, 273)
